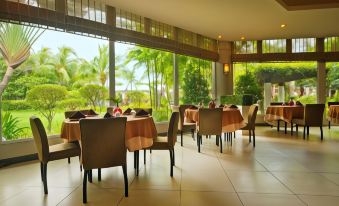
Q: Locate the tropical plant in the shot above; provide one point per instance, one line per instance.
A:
(10, 127)
(248, 84)
(71, 104)
(95, 95)
(45, 98)
(15, 44)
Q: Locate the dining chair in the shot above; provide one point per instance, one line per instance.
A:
(313, 117)
(329, 104)
(278, 121)
(103, 146)
(168, 142)
(250, 122)
(210, 123)
(185, 126)
(48, 153)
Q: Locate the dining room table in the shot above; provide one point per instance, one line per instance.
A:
(333, 114)
(284, 112)
(232, 119)
(139, 134)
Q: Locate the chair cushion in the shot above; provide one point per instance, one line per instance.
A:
(298, 121)
(188, 126)
(63, 150)
(160, 143)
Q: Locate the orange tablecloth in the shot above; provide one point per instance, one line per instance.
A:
(285, 113)
(140, 132)
(333, 113)
(231, 118)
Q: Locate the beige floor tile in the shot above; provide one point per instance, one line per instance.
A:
(236, 163)
(189, 198)
(334, 177)
(253, 199)
(320, 200)
(308, 183)
(9, 191)
(152, 198)
(281, 164)
(256, 182)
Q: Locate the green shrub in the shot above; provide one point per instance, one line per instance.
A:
(10, 128)
(9, 105)
(231, 99)
(71, 104)
(160, 115)
(307, 99)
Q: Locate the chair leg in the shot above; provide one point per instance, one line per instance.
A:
(42, 171)
(219, 136)
(329, 124)
(69, 160)
(308, 131)
(137, 162)
(296, 128)
(249, 136)
(181, 138)
(321, 133)
(173, 153)
(234, 134)
(124, 170)
(278, 128)
(171, 162)
(304, 132)
(80, 163)
(285, 127)
(253, 138)
(150, 151)
(217, 141)
(99, 174)
(135, 157)
(84, 187)
(198, 141)
(45, 178)
(231, 138)
(144, 156)
(90, 176)
(192, 131)
(225, 136)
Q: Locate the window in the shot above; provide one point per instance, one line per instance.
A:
(245, 47)
(331, 44)
(129, 21)
(303, 45)
(274, 46)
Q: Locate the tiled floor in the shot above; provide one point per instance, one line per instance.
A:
(281, 170)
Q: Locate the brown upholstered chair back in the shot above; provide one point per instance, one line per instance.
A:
(252, 115)
(148, 110)
(210, 121)
(313, 114)
(40, 138)
(103, 142)
(182, 109)
(173, 129)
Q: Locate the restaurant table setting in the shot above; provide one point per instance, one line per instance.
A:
(284, 112)
(333, 114)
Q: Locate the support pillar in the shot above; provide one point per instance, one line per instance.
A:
(111, 75)
(175, 79)
(267, 94)
(321, 82)
(214, 82)
(281, 93)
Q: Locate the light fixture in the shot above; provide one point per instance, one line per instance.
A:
(242, 38)
(219, 36)
(283, 25)
(226, 68)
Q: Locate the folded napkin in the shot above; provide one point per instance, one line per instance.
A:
(127, 111)
(142, 113)
(77, 115)
(298, 103)
(233, 106)
(193, 107)
(107, 115)
(92, 112)
(221, 106)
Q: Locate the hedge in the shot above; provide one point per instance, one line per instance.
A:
(9, 105)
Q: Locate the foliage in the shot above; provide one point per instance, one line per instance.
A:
(333, 77)
(15, 45)
(195, 85)
(136, 98)
(8, 105)
(307, 99)
(10, 127)
(95, 95)
(45, 98)
(247, 84)
(71, 104)
(231, 99)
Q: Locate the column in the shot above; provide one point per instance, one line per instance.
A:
(214, 82)
(175, 79)
(111, 75)
(281, 92)
(267, 94)
(321, 82)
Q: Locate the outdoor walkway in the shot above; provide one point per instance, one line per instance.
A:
(281, 170)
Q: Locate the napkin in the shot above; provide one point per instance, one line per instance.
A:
(193, 107)
(77, 115)
(221, 106)
(298, 103)
(142, 113)
(127, 111)
(233, 106)
(92, 112)
(107, 115)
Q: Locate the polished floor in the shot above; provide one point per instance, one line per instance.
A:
(281, 170)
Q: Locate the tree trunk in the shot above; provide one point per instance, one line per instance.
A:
(5, 79)
(149, 81)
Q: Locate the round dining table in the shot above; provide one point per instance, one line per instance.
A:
(333, 113)
(232, 119)
(139, 132)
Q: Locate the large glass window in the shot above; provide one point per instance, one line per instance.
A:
(274, 46)
(331, 44)
(303, 45)
(245, 47)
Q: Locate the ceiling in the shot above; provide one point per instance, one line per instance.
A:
(232, 19)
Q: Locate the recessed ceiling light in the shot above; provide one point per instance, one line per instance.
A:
(242, 38)
(283, 25)
(219, 36)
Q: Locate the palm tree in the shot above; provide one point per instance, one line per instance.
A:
(130, 76)
(101, 64)
(15, 45)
